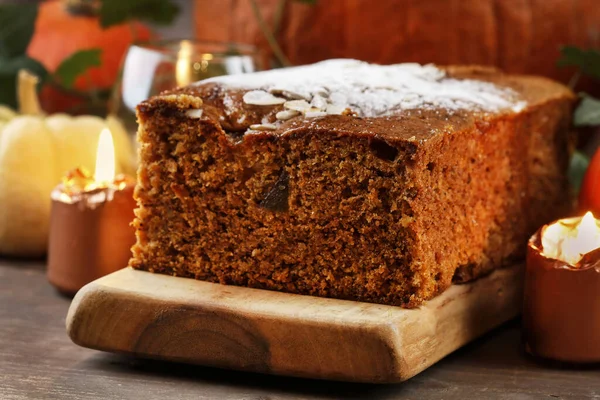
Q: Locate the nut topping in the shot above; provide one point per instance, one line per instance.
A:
(288, 94)
(194, 113)
(297, 105)
(262, 98)
(319, 102)
(286, 114)
(263, 127)
(333, 109)
(315, 113)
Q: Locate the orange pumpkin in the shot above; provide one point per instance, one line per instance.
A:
(520, 36)
(60, 32)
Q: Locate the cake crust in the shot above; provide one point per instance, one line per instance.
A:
(381, 208)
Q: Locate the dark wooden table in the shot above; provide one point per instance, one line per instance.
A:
(38, 361)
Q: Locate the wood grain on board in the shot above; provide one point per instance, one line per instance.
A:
(197, 322)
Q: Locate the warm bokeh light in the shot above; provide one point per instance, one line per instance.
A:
(105, 158)
(569, 240)
(183, 67)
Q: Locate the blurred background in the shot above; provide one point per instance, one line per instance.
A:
(183, 24)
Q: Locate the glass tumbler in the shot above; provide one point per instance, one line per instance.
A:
(151, 68)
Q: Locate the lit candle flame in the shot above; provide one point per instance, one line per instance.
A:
(105, 159)
(569, 242)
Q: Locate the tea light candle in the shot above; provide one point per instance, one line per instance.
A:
(90, 222)
(561, 316)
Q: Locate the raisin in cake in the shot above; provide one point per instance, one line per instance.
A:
(349, 180)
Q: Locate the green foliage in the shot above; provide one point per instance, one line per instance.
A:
(588, 61)
(78, 63)
(577, 167)
(588, 112)
(17, 23)
(113, 12)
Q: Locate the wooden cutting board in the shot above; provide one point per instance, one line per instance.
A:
(191, 321)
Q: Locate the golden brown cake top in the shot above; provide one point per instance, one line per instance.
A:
(394, 102)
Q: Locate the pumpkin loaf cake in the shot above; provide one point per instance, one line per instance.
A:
(349, 180)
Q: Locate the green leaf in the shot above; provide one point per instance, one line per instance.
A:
(588, 112)
(17, 22)
(588, 61)
(161, 12)
(79, 62)
(577, 167)
(9, 70)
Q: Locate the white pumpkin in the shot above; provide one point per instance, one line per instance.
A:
(35, 153)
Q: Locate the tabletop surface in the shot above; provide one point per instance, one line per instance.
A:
(38, 361)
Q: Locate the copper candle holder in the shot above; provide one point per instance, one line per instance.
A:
(90, 223)
(561, 315)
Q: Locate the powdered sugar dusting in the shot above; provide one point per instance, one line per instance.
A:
(371, 90)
